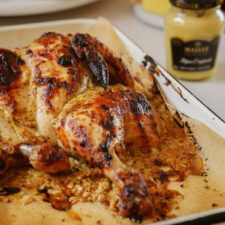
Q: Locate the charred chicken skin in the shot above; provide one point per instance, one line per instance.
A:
(69, 96)
(98, 125)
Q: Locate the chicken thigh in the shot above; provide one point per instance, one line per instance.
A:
(98, 125)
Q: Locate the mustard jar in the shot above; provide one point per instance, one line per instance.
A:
(193, 29)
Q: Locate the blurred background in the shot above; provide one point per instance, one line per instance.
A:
(142, 22)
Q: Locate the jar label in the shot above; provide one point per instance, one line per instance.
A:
(196, 55)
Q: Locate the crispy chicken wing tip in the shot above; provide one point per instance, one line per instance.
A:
(96, 63)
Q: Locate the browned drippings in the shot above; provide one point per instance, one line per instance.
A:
(174, 159)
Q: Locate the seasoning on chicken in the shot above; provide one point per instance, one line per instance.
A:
(64, 97)
(97, 125)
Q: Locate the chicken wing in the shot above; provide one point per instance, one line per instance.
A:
(101, 61)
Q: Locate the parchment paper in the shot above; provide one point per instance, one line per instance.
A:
(199, 193)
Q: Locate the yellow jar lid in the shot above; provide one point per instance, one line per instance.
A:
(160, 7)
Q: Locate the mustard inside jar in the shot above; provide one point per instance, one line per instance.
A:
(193, 30)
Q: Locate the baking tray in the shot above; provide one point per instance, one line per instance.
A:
(181, 98)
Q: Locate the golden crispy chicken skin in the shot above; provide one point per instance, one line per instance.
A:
(101, 61)
(57, 76)
(98, 125)
(64, 97)
(38, 80)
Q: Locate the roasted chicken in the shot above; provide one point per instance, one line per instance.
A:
(97, 122)
(64, 97)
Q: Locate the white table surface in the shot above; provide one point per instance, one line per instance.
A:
(120, 12)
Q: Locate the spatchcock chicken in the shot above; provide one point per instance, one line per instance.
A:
(69, 96)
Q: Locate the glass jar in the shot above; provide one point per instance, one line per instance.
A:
(193, 29)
